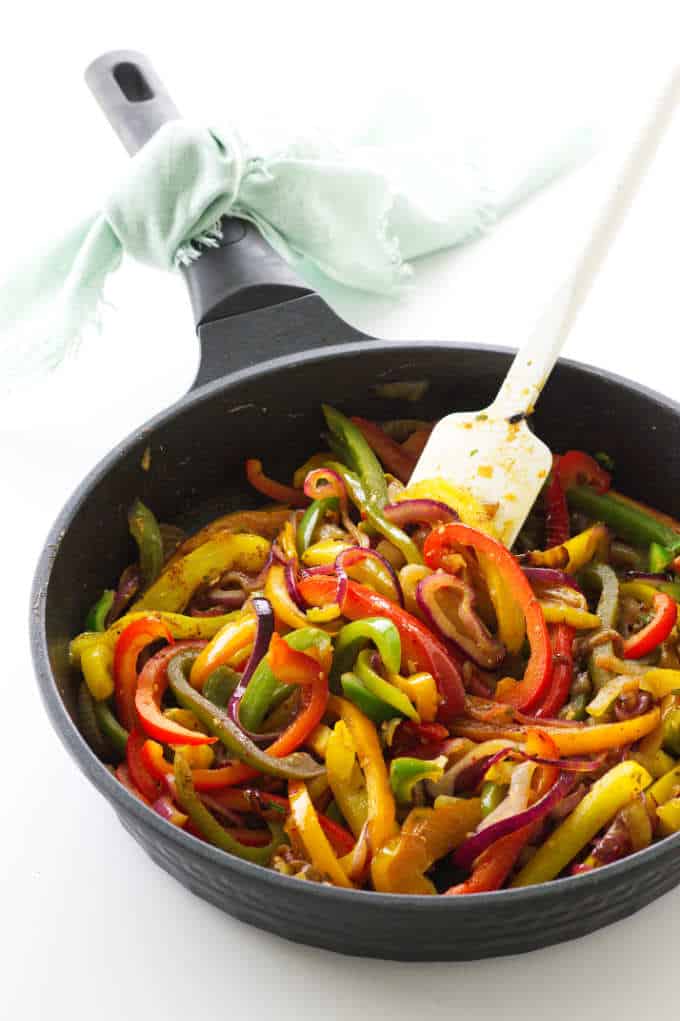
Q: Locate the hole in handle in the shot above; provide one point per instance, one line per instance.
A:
(132, 83)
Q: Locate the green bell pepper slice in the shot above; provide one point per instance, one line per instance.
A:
(355, 691)
(311, 519)
(89, 724)
(659, 557)
(264, 691)
(114, 731)
(607, 610)
(298, 766)
(97, 614)
(208, 826)
(631, 524)
(374, 516)
(406, 772)
(354, 637)
(146, 533)
(361, 458)
(221, 685)
(381, 688)
(491, 796)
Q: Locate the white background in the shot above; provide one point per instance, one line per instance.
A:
(91, 928)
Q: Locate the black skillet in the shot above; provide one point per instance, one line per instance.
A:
(271, 351)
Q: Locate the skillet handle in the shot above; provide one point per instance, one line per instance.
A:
(244, 273)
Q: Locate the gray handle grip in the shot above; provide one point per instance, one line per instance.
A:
(244, 273)
(131, 96)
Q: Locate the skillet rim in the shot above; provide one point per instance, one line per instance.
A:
(120, 798)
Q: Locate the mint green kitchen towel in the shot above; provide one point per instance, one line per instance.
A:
(353, 217)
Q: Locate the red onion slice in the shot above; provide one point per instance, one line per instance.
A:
(472, 636)
(128, 586)
(355, 555)
(569, 765)
(290, 577)
(471, 848)
(217, 601)
(263, 636)
(415, 512)
(549, 576)
(165, 807)
(470, 778)
(646, 576)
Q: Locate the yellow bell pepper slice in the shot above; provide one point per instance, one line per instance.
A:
(609, 692)
(324, 552)
(410, 577)
(568, 740)
(308, 829)
(426, 836)
(382, 823)
(669, 817)
(265, 522)
(657, 763)
(196, 756)
(511, 621)
(664, 788)
(181, 627)
(421, 689)
(560, 613)
(575, 553)
(660, 682)
(605, 798)
(178, 582)
(283, 606)
(588, 740)
(96, 663)
(318, 740)
(346, 779)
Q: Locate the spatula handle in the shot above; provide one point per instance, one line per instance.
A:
(534, 362)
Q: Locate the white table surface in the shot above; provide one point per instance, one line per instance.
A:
(92, 929)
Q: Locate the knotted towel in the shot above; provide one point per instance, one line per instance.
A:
(353, 216)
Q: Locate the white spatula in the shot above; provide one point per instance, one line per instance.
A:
(493, 453)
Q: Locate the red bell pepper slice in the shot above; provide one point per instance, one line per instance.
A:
(393, 456)
(562, 641)
(274, 490)
(151, 684)
(140, 775)
(420, 648)
(123, 777)
(556, 510)
(576, 468)
(421, 740)
(131, 641)
(528, 693)
(657, 631)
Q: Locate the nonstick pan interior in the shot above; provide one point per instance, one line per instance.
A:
(197, 450)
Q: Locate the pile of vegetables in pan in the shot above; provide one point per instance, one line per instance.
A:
(359, 685)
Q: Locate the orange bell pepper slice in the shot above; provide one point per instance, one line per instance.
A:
(274, 490)
(220, 650)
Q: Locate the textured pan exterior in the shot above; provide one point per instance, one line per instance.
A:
(353, 922)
